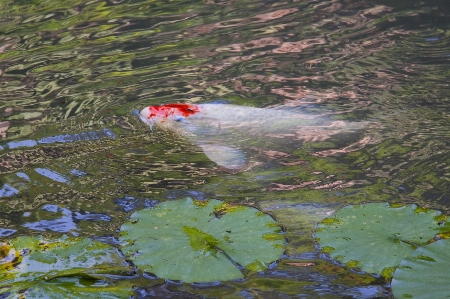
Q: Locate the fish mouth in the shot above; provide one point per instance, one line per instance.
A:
(149, 122)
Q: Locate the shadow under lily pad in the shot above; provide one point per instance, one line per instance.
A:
(198, 241)
(376, 237)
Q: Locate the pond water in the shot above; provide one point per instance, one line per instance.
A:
(77, 160)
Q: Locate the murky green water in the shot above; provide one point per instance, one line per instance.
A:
(77, 160)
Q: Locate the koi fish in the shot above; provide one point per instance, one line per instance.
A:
(224, 131)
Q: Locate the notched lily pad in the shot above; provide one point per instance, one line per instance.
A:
(376, 237)
(201, 241)
(56, 268)
(424, 274)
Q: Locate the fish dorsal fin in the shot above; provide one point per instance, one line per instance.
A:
(226, 156)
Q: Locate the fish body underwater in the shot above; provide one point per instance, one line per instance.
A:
(225, 132)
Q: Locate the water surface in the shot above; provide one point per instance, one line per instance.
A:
(76, 159)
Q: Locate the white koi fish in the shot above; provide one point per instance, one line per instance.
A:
(224, 131)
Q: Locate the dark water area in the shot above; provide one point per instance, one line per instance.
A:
(77, 160)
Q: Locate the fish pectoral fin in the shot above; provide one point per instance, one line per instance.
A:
(226, 156)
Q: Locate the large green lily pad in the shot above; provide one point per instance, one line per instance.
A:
(424, 274)
(55, 268)
(376, 237)
(197, 241)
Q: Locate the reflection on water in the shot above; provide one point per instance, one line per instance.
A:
(76, 159)
(65, 223)
(8, 190)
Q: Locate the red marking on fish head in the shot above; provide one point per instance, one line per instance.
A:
(165, 111)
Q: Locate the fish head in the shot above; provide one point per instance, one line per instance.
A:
(166, 114)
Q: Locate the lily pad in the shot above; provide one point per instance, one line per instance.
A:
(74, 287)
(424, 274)
(376, 237)
(37, 266)
(196, 241)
